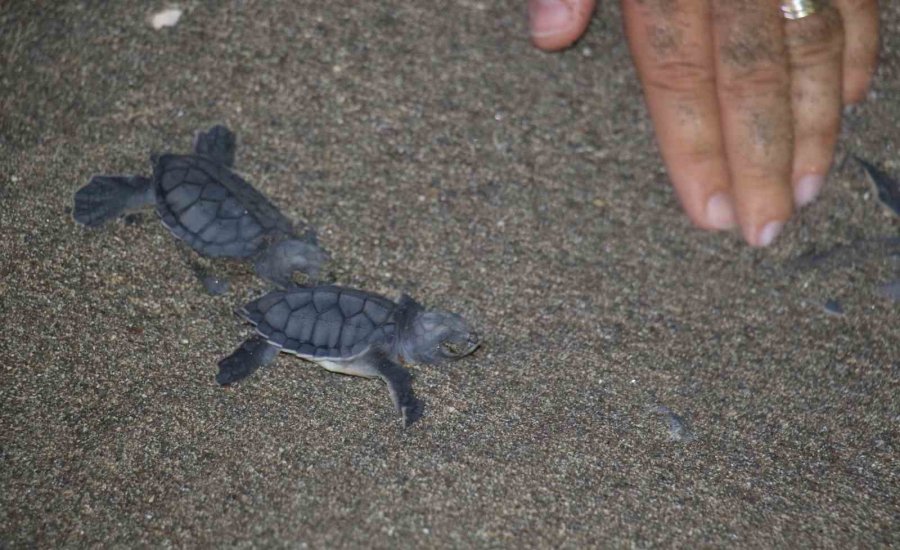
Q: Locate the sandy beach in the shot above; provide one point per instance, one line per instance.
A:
(641, 383)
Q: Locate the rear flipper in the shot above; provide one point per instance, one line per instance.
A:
(215, 284)
(255, 352)
(105, 198)
(278, 263)
(217, 143)
(399, 383)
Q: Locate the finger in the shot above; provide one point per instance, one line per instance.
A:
(556, 24)
(673, 53)
(815, 49)
(861, 46)
(754, 97)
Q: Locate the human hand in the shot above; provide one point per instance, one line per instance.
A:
(746, 103)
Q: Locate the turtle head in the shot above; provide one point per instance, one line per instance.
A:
(434, 336)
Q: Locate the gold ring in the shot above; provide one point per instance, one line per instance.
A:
(798, 9)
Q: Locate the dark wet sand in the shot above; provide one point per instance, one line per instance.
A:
(439, 154)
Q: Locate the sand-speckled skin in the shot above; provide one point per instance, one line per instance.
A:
(326, 322)
(213, 209)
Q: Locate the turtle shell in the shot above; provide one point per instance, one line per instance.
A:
(326, 322)
(213, 209)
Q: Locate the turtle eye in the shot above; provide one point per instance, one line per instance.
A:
(452, 348)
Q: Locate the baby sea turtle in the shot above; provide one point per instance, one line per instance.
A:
(351, 332)
(203, 202)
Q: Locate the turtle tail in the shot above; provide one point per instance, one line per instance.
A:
(105, 198)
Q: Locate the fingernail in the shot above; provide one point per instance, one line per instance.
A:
(807, 189)
(548, 17)
(720, 211)
(768, 233)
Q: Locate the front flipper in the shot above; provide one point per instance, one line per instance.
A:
(888, 188)
(255, 352)
(217, 143)
(105, 198)
(278, 263)
(399, 383)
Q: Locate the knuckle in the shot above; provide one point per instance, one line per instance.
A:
(697, 153)
(679, 77)
(815, 40)
(749, 33)
(755, 82)
(755, 174)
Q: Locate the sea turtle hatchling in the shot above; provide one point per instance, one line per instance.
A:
(203, 202)
(350, 332)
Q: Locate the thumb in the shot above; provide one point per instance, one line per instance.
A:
(556, 24)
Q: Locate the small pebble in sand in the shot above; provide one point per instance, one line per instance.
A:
(679, 430)
(166, 18)
(833, 307)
